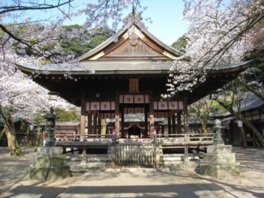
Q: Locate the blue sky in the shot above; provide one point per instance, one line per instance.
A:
(166, 16)
(167, 19)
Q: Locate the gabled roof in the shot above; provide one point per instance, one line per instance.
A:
(132, 32)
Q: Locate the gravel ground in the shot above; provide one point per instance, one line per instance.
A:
(134, 182)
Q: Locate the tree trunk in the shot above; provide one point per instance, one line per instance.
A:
(203, 122)
(240, 117)
(9, 130)
(39, 140)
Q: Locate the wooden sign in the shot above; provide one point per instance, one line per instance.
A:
(134, 99)
(173, 105)
(139, 99)
(95, 106)
(167, 105)
(128, 99)
(100, 106)
(162, 105)
(105, 106)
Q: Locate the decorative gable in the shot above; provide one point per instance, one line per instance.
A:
(133, 49)
(133, 42)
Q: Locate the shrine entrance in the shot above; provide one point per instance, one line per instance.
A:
(134, 120)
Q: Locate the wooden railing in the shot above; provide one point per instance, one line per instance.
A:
(186, 139)
(76, 137)
(175, 139)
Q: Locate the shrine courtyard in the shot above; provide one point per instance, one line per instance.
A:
(134, 181)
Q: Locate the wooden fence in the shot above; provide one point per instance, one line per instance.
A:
(135, 154)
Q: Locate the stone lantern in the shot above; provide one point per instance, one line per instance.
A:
(219, 161)
(49, 163)
(218, 133)
(50, 126)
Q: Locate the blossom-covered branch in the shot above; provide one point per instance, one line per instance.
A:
(220, 32)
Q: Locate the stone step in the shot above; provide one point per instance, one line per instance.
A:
(172, 157)
(90, 158)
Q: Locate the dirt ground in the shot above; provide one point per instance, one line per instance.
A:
(134, 182)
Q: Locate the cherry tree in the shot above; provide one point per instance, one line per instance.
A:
(19, 97)
(30, 37)
(219, 32)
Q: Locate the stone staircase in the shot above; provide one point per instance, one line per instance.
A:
(171, 159)
(80, 164)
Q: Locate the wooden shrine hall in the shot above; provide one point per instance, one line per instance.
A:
(118, 86)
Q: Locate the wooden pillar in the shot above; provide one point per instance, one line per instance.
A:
(82, 119)
(94, 123)
(173, 123)
(169, 123)
(185, 115)
(117, 115)
(122, 132)
(117, 124)
(82, 127)
(179, 129)
(152, 130)
(89, 124)
(146, 123)
(99, 128)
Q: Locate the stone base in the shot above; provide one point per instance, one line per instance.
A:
(221, 148)
(219, 170)
(219, 161)
(49, 164)
(228, 159)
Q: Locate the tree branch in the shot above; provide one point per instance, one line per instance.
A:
(7, 9)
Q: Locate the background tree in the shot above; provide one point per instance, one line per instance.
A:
(202, 111)
(180, 44)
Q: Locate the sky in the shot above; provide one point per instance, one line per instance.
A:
(166, 16)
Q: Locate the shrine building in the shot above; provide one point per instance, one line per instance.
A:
(119, 84)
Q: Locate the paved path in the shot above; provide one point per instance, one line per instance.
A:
(136, 182)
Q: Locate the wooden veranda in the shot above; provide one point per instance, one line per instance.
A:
(139, 151)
